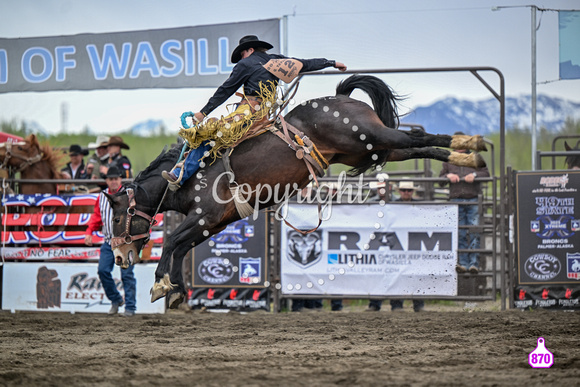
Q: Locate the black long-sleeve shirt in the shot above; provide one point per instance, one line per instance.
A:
(250, 71)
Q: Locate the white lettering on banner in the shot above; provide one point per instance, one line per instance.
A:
(38, 64)
(374, 250)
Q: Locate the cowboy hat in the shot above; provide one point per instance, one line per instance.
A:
(77, 150)
(113, 171)
(406, 185)
(117, 140)
(248, 41)
(101, 141)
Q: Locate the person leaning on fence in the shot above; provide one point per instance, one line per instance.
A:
(75, 168)
(116, 158)
(258, 72)
(464, 188)
(102, 218)
(406, 190)
(100, 157)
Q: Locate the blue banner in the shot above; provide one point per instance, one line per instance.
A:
(569, 26)
(166, 58)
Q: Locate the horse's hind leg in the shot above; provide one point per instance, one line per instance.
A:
(473, 160)
(456, 141)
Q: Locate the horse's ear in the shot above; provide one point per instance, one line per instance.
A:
(32, 139)
(566, 146)
(109, 198)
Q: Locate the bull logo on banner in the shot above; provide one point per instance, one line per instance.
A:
(48, 288)
(304, 250)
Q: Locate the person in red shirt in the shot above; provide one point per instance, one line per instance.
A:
(102, 219)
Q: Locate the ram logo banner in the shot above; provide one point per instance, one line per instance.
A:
(363, 250)
(165, 58)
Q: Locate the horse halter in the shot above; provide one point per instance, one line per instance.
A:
(126, 237)
(28, 161)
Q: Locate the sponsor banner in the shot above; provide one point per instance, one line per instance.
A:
(69, 287)
(59, 253)
(48, 200)
(234, 258)
(239, 299)
(548, 296)
(53, 219)
(569, 30)
(548, 239)
(371, 250)
(60, 237)
(548, 227)
(164, 58)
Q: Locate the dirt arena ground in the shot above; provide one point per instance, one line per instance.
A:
(442, 346)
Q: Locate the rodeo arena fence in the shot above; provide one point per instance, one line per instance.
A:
(370, 248)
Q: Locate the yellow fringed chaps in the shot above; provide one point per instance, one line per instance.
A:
(226, 131)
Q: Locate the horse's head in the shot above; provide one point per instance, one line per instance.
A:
(21, 154)
(572, 162)
(131, 228)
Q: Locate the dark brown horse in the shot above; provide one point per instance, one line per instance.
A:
(345, 131)
(572, 161)
(33, 161)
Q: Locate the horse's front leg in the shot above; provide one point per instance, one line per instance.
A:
(162, 284)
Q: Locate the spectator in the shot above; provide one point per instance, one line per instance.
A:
(406, 190)
(382, 187)
(464, 188)
(75, 168)
(100, 157)
(103, 218)
(116, 158)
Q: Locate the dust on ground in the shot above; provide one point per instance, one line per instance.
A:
(449, 344)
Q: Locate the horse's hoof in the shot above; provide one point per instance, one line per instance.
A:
(156, 293)
(463, 141)
(175, 299)
(478, 160)
(472, 160)
(161, 288)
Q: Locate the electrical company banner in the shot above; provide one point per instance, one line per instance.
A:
(69, 287)
(371, 250)
(164, 58)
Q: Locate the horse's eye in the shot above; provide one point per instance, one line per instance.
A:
(117, 220)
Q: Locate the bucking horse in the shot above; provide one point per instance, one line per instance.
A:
(333, 129)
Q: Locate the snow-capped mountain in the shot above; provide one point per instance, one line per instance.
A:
(148, 128)
(482, 117)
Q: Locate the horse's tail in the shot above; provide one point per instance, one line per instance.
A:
(382, 96)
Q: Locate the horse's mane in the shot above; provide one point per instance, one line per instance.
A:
(384, 102)
(153, 169)
(52, 158)
(49, 156)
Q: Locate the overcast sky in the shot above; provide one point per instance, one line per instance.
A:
(390, 34)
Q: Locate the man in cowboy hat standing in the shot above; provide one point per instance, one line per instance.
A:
(100, 157)
(116, 159)
(75, 169)
(254, 69)
(102, 219)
